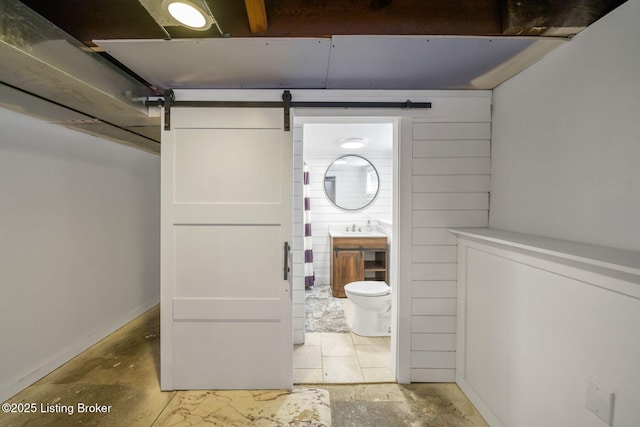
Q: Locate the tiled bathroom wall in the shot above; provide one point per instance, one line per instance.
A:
(325, 214)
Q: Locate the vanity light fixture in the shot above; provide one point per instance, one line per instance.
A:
(193, 14)
(352, 143)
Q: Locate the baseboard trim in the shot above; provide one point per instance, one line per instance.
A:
(15, 385)
(484, 409)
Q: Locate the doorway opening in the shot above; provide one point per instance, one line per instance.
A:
(359, 201)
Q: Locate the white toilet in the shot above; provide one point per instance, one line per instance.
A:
(372, 308)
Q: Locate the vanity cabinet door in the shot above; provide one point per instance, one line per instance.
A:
(348, 266)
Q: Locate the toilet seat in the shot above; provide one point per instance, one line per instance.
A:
(368, 288)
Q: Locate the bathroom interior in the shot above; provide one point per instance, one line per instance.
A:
(344, 327)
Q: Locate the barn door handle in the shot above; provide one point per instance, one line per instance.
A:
(286, 260)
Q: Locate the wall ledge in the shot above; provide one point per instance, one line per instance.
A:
(585, 262)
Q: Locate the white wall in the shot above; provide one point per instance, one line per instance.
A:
(325, 214)
(80, 243)
(565, 151)
(566, 139)
(533, 328)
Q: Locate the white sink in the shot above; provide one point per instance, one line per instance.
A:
(343, 233)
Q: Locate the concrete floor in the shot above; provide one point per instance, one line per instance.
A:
(121, 373)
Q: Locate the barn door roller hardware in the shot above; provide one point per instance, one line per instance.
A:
(169, 101)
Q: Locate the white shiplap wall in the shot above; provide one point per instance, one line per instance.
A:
(324, 214)
(443, 161)
(450, 174)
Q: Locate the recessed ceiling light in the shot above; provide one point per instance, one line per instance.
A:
(352, 143)
(190, 13)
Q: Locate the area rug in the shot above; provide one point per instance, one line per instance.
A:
(324, 313)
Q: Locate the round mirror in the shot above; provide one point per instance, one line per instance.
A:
(351, 182)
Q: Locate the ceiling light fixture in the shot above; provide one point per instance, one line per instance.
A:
(352, 143)
(193, 14)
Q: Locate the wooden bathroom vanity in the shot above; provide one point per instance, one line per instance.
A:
(355, 257)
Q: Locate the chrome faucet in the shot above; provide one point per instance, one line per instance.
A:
(353, 227)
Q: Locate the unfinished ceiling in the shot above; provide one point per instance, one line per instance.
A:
(328, 44)
(128, 19)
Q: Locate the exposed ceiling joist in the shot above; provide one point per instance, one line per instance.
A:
(257, 14)
(557, 18)
(128, 19)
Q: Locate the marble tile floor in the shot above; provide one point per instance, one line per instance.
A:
(337, 358)
(120, 374)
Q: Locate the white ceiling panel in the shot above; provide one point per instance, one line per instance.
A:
(417, 62)
(225, 63)
(342, 62)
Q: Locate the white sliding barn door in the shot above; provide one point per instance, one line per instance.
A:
(226, 215)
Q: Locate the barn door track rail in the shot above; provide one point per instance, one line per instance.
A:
(169, 101)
